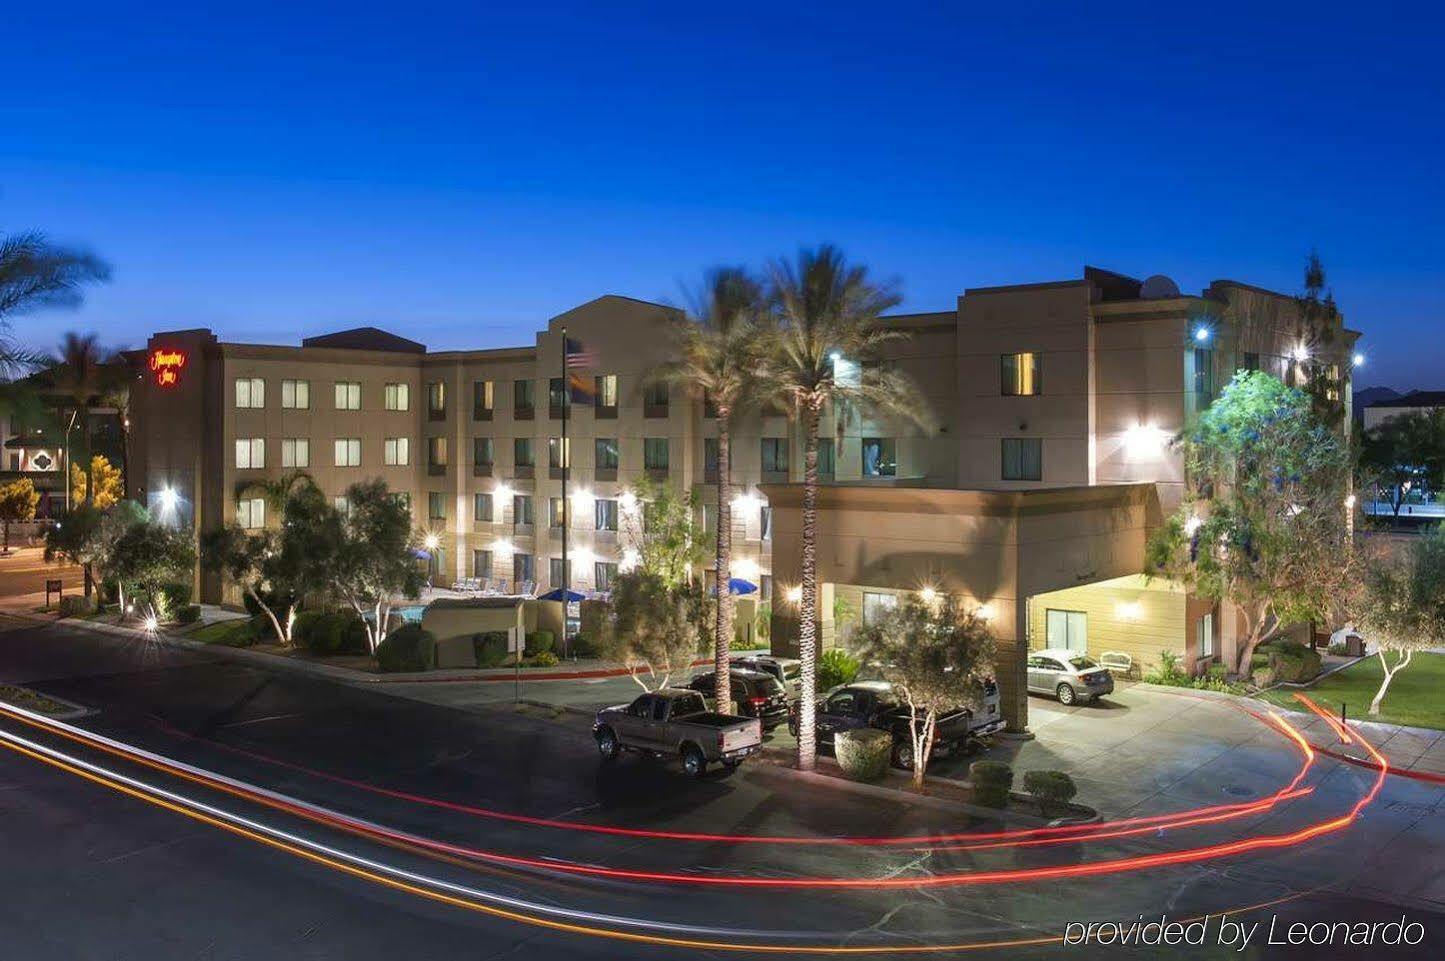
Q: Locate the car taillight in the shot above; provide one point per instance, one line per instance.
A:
(757, 701)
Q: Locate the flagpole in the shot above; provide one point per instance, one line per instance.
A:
(566, 504)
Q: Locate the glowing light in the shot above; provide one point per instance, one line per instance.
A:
(1350, 502)
(583, 498)
(502, 492)
(582, 555)
(166, 366)
(1192, 524)
(151, 624)
(627, 501)
(835, 356)
(928, 594)
(502, 546)
(745, 568)
(168, 499)
(986, 612)
(1145, 440)
(432, 542)
(794, 594)
(1301, 353)
(1129, 610)
(1358, 360)
(629, 561)
(746, 502)
(1201, 334)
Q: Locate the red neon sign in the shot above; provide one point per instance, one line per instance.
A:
(166, 366)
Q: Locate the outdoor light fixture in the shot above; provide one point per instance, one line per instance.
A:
(151, 624)
(835, 357)
(747, 502)
(582, 555)
(168, 498)
(627, 501)
(583, 498)
(1350, 502)
(432, 542)
(1201, 334)
(794, 594)
(746, 568)
(1301, 353)
(1358, 360)
(985, 611)
(928, 594)
(1129, 610)
(502, 491)
(1192, 524)
(502, 546)
(630, 559)
(1145, 440)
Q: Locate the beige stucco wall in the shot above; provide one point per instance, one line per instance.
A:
(1125, 614)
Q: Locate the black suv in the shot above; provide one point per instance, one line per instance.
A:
(755, 694)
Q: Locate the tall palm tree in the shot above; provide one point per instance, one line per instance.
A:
(35, 274)
(720, 345)
(79, 376)
(830, 332)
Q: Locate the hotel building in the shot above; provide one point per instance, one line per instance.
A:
(1051, 461)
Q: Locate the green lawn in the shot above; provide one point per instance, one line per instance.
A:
(1416, 696)
(232, 633)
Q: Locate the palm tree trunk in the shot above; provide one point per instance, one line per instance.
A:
(808, 607)
(722, 641)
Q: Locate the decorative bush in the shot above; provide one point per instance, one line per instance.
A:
(490, 648)
(538, 642)
(353, 634)
(1295, 663)
(408, 648)
(1263, 677)
(544, 659)
(301, 629)
(262, 630)
(1049, 788)
(835, 667)
(583, 646)
(863, 753)
(76, 605)
(173, 598)
(991, 782)
(189, 614)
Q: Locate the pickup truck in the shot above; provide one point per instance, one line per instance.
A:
(873, 704)
(677, 723)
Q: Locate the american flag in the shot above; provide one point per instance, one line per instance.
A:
(577, 360)
(578, 356)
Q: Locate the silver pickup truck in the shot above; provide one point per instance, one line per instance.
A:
(677, 723)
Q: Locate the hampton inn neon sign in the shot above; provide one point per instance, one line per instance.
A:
(166, 366)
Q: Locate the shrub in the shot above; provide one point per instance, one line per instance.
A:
(324, 631)
(538, 642)
(863, 753)
(836, 667)
(490, 648)
(173, 598)
(1049, 788)
(1263, 677)
(189, 614)
(583, 646)
(544, 659)
(262, 630)
(763, 622)
(301, 629)
(1295, 663)
(408, 648)
(353, 634)
(991, 782)
(1338, 648)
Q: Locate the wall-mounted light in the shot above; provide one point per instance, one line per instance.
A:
(1129, 610)
(794, 594)
(928, 594)
(1358, 360)
(627, 501)
(986, 612)
(502, 546)
(432, 542)
(630, 560)
(1145, 440)
(1301, 353)
(502, 492)
(1201, 334)
(747, 502)
(1192, 524)
(168, 499)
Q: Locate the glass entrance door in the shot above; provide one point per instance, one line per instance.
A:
(1067, 629)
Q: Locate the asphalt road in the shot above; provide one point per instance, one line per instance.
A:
(89, 872)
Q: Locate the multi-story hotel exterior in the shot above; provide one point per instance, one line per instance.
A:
(1055, 405)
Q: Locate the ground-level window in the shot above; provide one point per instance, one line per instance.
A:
(765, 521)
(876, 605)
(481, 563)
(251, 513)
(604, 573)
(560, 571)
(880, 457)
(827, 457)
(1023, 458)
(1206, 635)
(522, 568)
(1066, 629)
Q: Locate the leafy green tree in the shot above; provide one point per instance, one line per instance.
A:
(654, 628)
(375, 559)
(1263, 525)
(1402, 605)
(34, 275)
(937, 656)
(1318, 329)
(18, 501)
(1404, 452)
(830, 336)
(106, 480)
(149, 556)
(88, 537)
(662, 528)
(244, 558)
(720, 347)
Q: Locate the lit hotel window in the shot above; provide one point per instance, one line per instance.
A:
(348, 452)
(296, 394)
(250, 392)
(251, 513)
(397, 452)
(1023, 458)
(295, 452)
(250, 453)
(398, 397)
(1020, 374)
(348, 395)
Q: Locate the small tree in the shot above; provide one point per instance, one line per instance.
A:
(1403, 605)
(937, 656)
(109, 488)
(244, 558)
(1264, 525)
(18, 501)
(664, 530)
(149, 556)
(88, 537)
(1403, 452)
(375, 559)
(654, 627)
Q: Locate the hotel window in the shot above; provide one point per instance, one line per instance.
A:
(522, 509)
(827, 457)
(605, 451)
(604, 574)
(606, 387)
(1206, 635)
(775, 455)
(558, 396)
(560, 571)
(654, 453)
(880, 457)
(436, 453)
(522, 569)
(1203, 373)
(1251, 360)
(348, 452)
(342, 503)
(556, 512)
(710, 454)
(482, 508)
(522, 452)
(398, 397)
(348, 395)
(250, 453)
(559, 451)
(522, 397)
(1021, 375)
(765, 522)
(876, 606)
(482, 452)
(1023, 458)
(654, 400)
(251, 513)
(436, 506)
(296, 394)
(482, 400)
(481, 563)
(397, 452)
(250, 392)
(436, 400)
(605, 513)
(404, 499)
(295, 452)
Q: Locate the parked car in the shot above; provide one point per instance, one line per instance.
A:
(874, 704)
(1071, 676)
(788, 670)
(677, 723)
(755, 694)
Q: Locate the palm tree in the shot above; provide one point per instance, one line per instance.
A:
(828, 311)
(35, 274)
(79, 376)
(720, 346)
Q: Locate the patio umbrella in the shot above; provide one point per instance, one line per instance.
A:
(736, 585)
(556, 594)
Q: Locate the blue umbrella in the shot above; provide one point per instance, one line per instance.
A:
(556, 594)
(736, 585)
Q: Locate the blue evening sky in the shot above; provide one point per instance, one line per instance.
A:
(459, 174)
